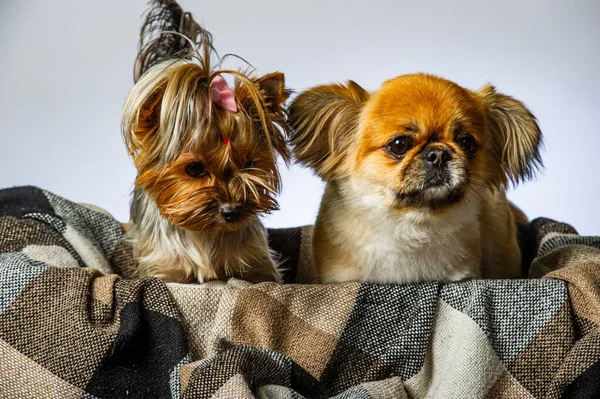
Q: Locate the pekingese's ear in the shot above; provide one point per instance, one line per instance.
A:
(324, 121)
(515, 137)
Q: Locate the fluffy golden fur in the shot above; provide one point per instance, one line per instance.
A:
(416, 175)
(195, 161)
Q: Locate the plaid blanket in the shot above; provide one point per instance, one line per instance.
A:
(73, 323)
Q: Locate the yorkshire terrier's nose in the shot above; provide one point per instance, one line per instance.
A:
(231, 212)
(437, 157)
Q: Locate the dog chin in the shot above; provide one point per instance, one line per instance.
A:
(221, 226)
(432, 198)
(227, 227)
(212, 226)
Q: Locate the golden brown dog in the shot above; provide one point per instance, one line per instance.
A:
(416, 175)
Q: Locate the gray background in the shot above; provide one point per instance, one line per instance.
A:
(66, 67)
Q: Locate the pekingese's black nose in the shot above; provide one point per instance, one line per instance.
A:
(437, 157)
(231, 213)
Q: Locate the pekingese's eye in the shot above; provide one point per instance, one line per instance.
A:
(249, 164)
(399, 145)
(195, 169)
(467, 143)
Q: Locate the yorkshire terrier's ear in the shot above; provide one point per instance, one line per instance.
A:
(515, 137)
(274, 95)
(149, 116)
(273, 87)
(324, 121)
(141, 115)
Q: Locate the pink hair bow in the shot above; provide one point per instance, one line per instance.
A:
(222, 95)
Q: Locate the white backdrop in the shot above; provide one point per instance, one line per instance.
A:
(66, 67)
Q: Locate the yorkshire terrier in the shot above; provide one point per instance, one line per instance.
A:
(416, 174)
(206, 157)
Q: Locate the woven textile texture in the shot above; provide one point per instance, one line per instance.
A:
(76, 323)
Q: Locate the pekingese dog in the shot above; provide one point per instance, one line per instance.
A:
(416, 174)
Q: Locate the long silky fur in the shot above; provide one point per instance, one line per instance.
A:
(516, 136)
(199, 257)
(166, 34)
(324, 121)
(169, 113)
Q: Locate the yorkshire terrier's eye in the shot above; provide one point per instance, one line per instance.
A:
(467, 143)
(399, 145)
(249, 164)
(194, 169)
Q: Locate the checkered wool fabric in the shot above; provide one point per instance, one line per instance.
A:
(74, 323)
